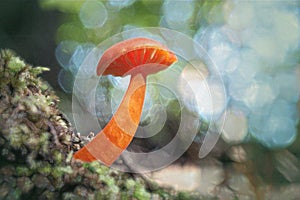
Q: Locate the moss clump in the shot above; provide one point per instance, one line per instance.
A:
(37, 144)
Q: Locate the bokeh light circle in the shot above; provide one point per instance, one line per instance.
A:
(93, 14)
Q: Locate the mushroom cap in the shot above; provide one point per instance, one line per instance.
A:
(138, 55)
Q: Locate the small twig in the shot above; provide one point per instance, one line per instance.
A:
(15, 111)
(30, 125)
(54, 133)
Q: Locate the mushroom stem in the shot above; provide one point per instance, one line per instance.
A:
(110, 142)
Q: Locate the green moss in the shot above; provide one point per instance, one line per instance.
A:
(45, 170)
(23, 171)
(141, 193)
(15, 64)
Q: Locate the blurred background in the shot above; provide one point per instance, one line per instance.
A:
(30, 32)
(255, 48)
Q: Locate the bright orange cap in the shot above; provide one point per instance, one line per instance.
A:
(138, 55)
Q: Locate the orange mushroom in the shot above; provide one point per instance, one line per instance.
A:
(137, 57)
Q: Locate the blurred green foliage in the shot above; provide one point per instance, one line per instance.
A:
(143, 13)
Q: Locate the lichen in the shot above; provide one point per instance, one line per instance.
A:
(37, 143)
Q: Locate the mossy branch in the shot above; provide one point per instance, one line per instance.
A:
(37, 143)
